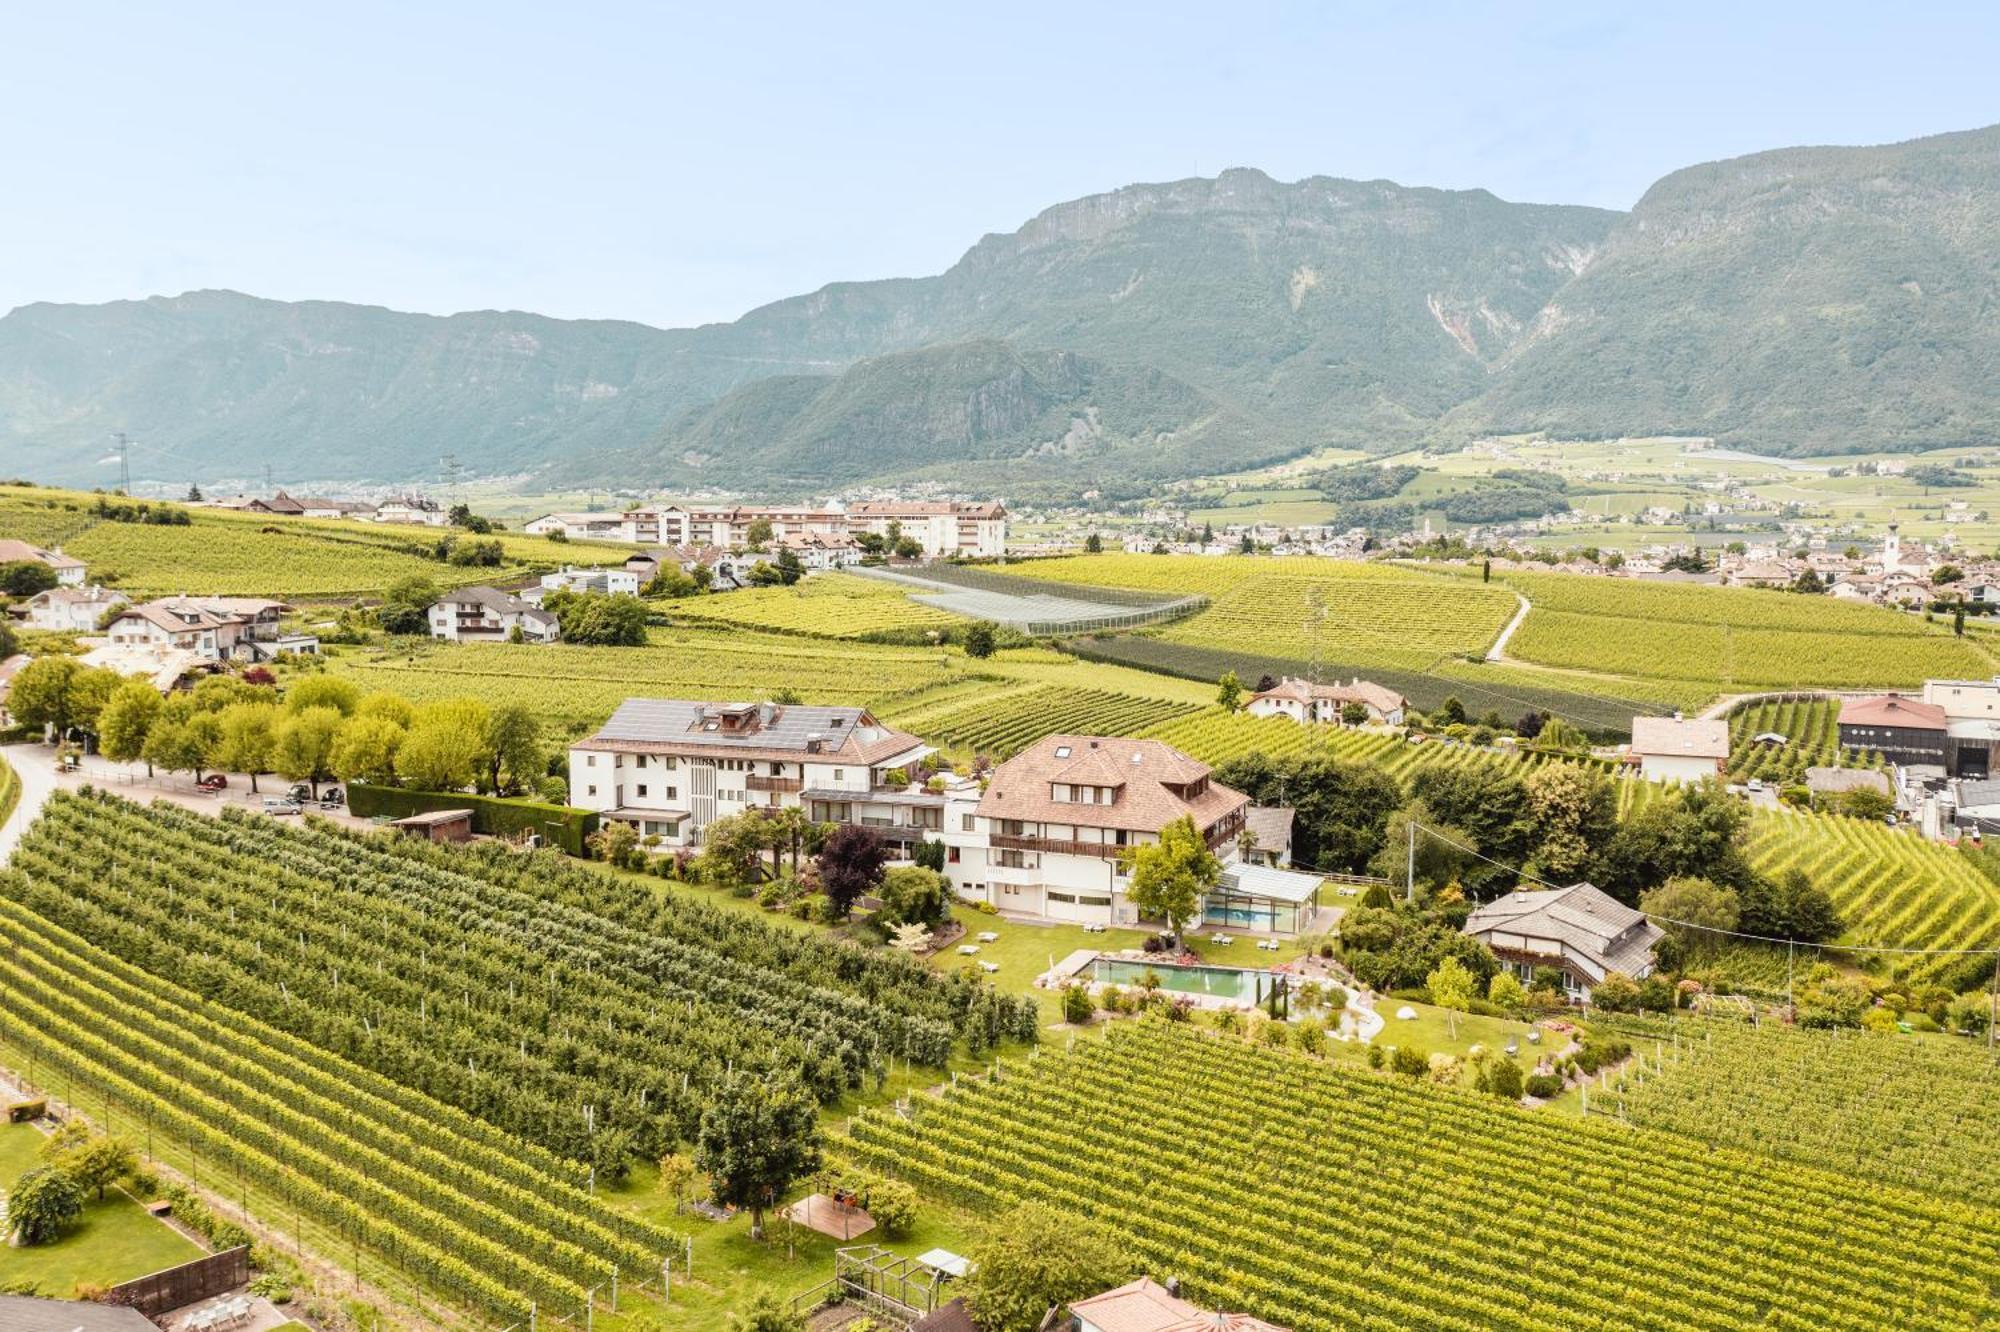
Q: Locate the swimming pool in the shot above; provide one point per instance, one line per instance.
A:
(1234, 983)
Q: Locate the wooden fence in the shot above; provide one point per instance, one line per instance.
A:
(177, 1287)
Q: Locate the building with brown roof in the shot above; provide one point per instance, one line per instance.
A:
(1902, 730)
(1057, 817)
(69, 570)
(670, 767)
(214, 628)
(1579, 930)
(1304, 701)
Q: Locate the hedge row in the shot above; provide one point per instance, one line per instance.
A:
(559, 825)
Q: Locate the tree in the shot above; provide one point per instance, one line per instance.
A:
(365, 751)
(323, 691)
(1572, 814)
(1353, 713)
(979, 638)
(391, 707)
(1093, 544)
(1229, 692)
(1616, 993)
(1958, 620)
(194, 493)
(1948, 573)
(172, 746)
(407, 604)
(25, 578)
(730, 847)
(908, 548)
(1865, 802)
(94, 1161)
(1809, 583)
(1246, 546)
(758, 534)
(1169, 877)
(911, 893)
(10, 642)
(614, 842)
(790, 570)
(1691, 909)
(514, 748)
(1451, 712)
(1208, 534)
(1342, 807)
(41, 695)
(303, 747)
(1451, 988)
(1504, 991)
(1695, 831)
(1036, 1258)
(759, 1132)
(1491, 803)
(850, 865)
(43, 1201)
(763, 575)
(445, 749)
(1788, 907)
(1440, 854)
(598, 619)
(930, 854)
(1558, 735)
(247, 739)
(128, 716)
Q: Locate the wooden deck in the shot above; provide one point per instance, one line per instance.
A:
(819, 1212)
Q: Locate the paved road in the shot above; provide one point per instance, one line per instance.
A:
(35, 764)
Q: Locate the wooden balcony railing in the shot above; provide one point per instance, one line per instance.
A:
(1060, 846)
(779, 785)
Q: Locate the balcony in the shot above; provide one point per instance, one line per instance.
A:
(1054, 845)
(775, 785)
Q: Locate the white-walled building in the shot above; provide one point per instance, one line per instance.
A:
(213, 628)
(1579, 930)
(670, 767)
(1304, 701)
(609, 582)
(579, 526)
(940, 528)
(1679, 749)
(68, 569)
(488, 615)
(1056, 817)
(71, 610)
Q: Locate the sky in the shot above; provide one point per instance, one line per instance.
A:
(683, 164)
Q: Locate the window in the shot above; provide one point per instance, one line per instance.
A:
(639, 761)
(951, 855)
(966, 823)
(839, 774)
(641, 789)
(673, 792)
(590, 790)
(590, 760)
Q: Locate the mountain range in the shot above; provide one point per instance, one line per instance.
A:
(1809, 300)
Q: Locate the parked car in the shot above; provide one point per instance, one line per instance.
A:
(280, 805)
(215, 781)
(331, 798)
(299, 794)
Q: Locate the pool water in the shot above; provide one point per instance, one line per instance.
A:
(1234, 983)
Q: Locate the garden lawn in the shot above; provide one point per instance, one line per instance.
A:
(115, 1240)
(1430, 1032)
(730, 1268)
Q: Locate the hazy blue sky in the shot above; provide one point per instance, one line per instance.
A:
(682, 164)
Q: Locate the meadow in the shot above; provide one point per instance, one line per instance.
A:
(223, 553)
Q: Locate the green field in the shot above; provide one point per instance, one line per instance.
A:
(1324, 1198)
(223, 553)
(823, 605)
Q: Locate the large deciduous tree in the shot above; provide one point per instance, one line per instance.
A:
(304, 748)
(128, 715)
(514, 748)
(759, 1133)
(44, 1200)
(249, 739)
(406, 605)
(1035, 1259)
(446, 747)
(1169, 877)
(366, 749)
(850, 865)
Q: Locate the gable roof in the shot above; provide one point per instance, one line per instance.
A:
(500, 603)
(1366, 692)
(1681, 737)
(28, 1313)
(20, 552)
(1147, 1306)
(1893, 710)
(1142, 771)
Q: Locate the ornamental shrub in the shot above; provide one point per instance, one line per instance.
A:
(1076, 1005)
(1544, 1085)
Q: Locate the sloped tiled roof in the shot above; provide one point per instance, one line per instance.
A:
(1582, 918)
(1271, 825)
(681, 726)
(1892, 710)
(1142, 771)
(20, 552)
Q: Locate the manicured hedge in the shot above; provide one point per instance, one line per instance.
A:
(559, 825)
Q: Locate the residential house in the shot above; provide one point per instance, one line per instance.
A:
(1305, 701)
(31, 1313)
(1058, 817)
(1146, 1306)
(816, 552)
(608, 582)
(411, 509)
(942, 529)
(70, 610)
(671, 767)
(1580, 931)
(213, 628)
(1679, 749)
(579, 526)
(487, 615)
(304, 506)
(726, 571)
(68, 569)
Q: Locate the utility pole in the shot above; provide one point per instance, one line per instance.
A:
(124, 462)
(267, 480)
(1411, 889)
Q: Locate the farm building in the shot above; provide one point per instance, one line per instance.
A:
(437, 825)
(1902, 730)
(1305, 701)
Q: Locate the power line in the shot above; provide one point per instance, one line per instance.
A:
(1715, 929)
